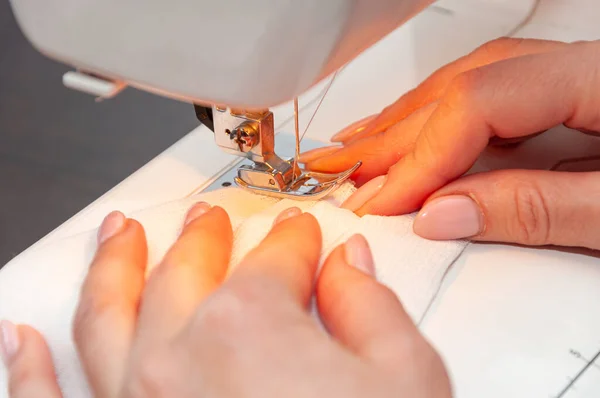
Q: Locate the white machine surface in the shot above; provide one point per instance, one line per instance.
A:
(509, 321)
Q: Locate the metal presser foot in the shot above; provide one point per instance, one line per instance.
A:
(250, 134)
(307, 185)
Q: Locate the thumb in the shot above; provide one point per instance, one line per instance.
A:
(517, 206)
(359, 312)
(28, 362)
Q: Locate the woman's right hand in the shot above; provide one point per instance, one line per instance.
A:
(416, 150)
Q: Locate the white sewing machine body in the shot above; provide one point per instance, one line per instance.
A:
(509, 321)
(239, 53)
(233, 59)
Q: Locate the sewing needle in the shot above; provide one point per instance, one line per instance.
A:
(297, 130)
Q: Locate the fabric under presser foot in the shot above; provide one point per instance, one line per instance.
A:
(409, 265)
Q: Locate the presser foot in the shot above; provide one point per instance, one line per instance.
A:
(263, 179)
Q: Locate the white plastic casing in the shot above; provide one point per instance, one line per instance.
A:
(245, 53)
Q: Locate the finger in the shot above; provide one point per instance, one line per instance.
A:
(353, 129)
(507, 99)
(193, 268)
(287, 258)
(28, 361)
(106, 316)
(358, 311)
(377, 152)
(313, 154)
(434, 87)
(528, 207)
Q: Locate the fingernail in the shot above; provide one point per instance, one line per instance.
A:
(112, 224)
(314, 154)
(289, 213)
(9, 341)
(196, 211)
(449, 217)
(358, 254)
(364, 194)
(353, 129)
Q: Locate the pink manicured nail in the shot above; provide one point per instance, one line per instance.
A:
(364, 194)
(289, 213)
(196, 211)
(449, 217)
(317, 153)
(358, 254)
(112, 224)
(9, 341)
(353, 129)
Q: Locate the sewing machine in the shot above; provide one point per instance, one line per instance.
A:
(509, 321)
(264, 53)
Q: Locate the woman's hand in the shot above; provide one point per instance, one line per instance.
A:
(189, 332)
(505, 91)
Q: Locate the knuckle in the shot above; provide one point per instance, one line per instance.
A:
(231, 310)
(532, 216)
(463, 88)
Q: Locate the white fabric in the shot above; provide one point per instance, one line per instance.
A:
(41, 286)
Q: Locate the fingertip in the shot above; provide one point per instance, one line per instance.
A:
(364, 194)
(293, 219)
(220, 212)
(202, 215)
(29, 332)
(10, 341)
(354, 130)
(32, 337)
(31, 371)
(23, 340)
(358, 254)
(195, 212)
(349, 262)
(135, 228)
(287, 214)
(449, 217)
(116, 225)
(219, 216)
(403, 192)
(307, 226)
(311, 221)
(132, 236)
(375, 124)
(112, 224)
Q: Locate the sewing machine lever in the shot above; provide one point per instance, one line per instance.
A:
(205, 116)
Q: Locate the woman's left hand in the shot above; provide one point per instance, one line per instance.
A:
(190, 332)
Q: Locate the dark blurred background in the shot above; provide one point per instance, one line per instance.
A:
(60, 150)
